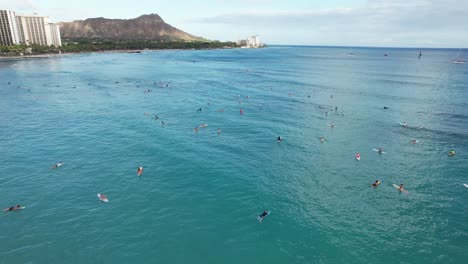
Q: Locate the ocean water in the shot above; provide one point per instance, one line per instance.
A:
(200, 193)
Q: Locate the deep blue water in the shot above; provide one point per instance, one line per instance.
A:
(200, 193)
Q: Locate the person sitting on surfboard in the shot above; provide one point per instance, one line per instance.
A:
(401, 189)
(280, 139)
(376, 183)
(452, 152)
(102, 197)
(13, 208)
(358, 156)
(404, 124)
(322, 139)
(332, 124)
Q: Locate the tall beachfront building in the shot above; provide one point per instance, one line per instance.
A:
(28, 29)
(9, 33)
(36, 29)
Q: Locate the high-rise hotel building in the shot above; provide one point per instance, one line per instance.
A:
(30, 29)
(9, 34)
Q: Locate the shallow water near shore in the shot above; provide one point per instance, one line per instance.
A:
(200, 193)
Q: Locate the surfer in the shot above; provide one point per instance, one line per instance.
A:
(420, 54)
(13, 208)
(332, 124)
(404, 124)
(322, 139)
(358, 156)
(336, 108)
(199, 109)
(401, 188)
(139, 171)
(102, 197)
(380, 150)
(452, 152)
(241, 111)
(162, 123)
(196, 129)
(57, 165)
(219, 130)
(414, 141)
(376, 183)
(385, 107)
(265, 213)
(156, 117)
(280, 139)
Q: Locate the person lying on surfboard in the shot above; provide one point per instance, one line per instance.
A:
(139, 171)
(13, 208)
(380, 150)
(265, 213)
(57, 165)
(376, 183)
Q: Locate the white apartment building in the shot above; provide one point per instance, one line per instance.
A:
(28, 29)
(9, 33)
(250, 42)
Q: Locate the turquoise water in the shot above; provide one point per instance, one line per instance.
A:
(200, 193)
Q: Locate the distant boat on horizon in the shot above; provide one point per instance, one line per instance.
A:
(459, 59)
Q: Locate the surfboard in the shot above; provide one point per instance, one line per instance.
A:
(104, 200)
(358, 158)
(140, 171)
(398, 188)
(203, 125)
(466, 185)
(260, 219)
(21, 208)
(376, 150)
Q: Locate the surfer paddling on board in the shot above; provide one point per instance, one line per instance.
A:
(279, 139)
(358, 156)
(376, 183)
(57, 165)
(452, 152)
(139, 171)
(13, 208)
(414, 141)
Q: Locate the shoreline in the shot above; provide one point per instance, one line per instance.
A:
(51, 55)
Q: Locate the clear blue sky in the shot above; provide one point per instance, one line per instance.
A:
(409, 23)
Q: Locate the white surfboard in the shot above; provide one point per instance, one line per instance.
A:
(398, 188)
(358, 158)
(376, 150)
(104, 200)
(466, 185)
(21, 208)
(260, 219)
(203, 125)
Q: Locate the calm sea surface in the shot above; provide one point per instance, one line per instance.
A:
(200, 193)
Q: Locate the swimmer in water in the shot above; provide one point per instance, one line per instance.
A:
(139, 171)
(13, 208)
(332, 124)
(279, 139)
(414, 141)
(322, 139)
(385, 107)
(199, 109)
(452, 152)
(336, 108)
(218, 131)
(57, 165)
(156, 117)
(376, 183)
(162, 123)
(196, 129)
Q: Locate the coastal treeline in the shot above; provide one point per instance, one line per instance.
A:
(77, 46)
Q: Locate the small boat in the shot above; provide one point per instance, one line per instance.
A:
(459, 59)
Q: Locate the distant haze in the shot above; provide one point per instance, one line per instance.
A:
(395, 23)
